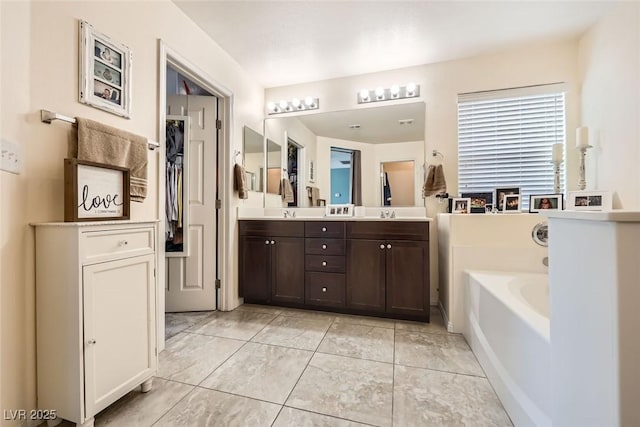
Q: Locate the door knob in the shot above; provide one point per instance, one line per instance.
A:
(324, 263)
(273, 242)
(381, 246)
(324, 289)
(266, 242)
(389, 246)
(324, 246)
(324, 228)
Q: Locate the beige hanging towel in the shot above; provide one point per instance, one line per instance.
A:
(435, 182)
(101, 143)
(286, 190)
(240, 181)
(313, 193)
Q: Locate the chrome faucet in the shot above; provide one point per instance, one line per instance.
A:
(289, 214)
(387, 214)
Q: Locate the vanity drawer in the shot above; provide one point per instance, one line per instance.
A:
(270, 228)
(324, 246)
(101, 245)
(325, 289)
(326, 230)
(388, 230)
(325, 263)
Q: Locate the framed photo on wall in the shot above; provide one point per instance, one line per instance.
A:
(589, 201)
(105, 72)
(550, 202)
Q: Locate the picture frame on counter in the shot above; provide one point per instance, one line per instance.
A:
(589, 200)
(339, 210)
(95, 191)
(549, 202)
(500, 193)
(478, 201)
(511, 203)
(460, 205)
(105, 72)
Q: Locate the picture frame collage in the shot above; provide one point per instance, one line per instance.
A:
(509, 200)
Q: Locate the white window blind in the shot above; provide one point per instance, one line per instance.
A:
(505, 139)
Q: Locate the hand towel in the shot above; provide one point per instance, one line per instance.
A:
(286, 190)
(101, 143)
(435, 182)
(313, 193)
(240, 181)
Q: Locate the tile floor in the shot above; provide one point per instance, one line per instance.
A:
(270, 366)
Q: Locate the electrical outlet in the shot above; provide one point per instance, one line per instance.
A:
(11, 157)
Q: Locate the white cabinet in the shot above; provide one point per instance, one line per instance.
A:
(95, 302)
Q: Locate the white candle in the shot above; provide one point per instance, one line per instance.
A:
(582, 137)
(557, 152)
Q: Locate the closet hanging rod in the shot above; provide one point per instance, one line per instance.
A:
(47, 116)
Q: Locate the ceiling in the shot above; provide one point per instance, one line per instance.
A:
(289, 42)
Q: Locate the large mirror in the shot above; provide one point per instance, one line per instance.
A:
(253, 158)
(367, 156)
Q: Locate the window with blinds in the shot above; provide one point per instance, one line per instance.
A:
(505, 139)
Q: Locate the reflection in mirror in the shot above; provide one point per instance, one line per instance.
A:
(274, 164)
(341, 183)
(253, 158)
(398, 183)
(380, 135)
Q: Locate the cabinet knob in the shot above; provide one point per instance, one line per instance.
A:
(324, 246)
(273, 242)
(266, 242)
(324, 228)
(324, 289)
(123, 243)
(389, 246)
(324, 263)
(381, 246)
(91, 341)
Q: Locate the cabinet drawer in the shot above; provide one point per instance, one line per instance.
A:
(324, 246)
(388, 230)
(113, 244)
(325, 263)
(325, 289)
(270, 228)
(326, 230)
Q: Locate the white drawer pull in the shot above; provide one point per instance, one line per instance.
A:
(389, 246)
(324, 228)
(381, 246)
(324, 263)
(324, 289)
(266, 242)
(123, 243)
(273, 242)
(324, 246)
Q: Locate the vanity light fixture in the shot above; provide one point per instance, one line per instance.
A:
(411, 90)
(284, 106)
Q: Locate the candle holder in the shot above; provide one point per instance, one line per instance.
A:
(556, 176)
(582, 184)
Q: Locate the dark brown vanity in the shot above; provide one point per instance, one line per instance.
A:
(378, 268)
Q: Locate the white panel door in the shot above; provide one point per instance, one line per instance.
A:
(191, 280)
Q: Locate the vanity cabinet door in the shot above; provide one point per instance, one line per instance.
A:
(366, 275)
(255, 268)
(408, 278)
(287, 263)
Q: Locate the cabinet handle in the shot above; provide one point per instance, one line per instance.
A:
(91, 341)
(123, 243)
(389, 246)
(324, 228)
(273, 242)
(324, 246)
(324, 289)
(266, 242)
(381, 246)
(324, 263)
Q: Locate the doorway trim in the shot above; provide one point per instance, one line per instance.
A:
(170, 57)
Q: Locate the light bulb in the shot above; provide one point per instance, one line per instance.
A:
(379, 92)
(271, 106)
(295, 102)
(283, 104)
(395, 91)
(411, 89)
(364, 94)
(308, 101)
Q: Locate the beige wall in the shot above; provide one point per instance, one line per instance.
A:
(39, 70)
(609, 58)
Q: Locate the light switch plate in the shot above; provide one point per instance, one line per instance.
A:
(11, 156)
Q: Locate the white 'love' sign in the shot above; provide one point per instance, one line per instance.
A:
(100, 192)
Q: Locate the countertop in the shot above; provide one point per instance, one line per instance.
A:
(333, 218)
(612, 216)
